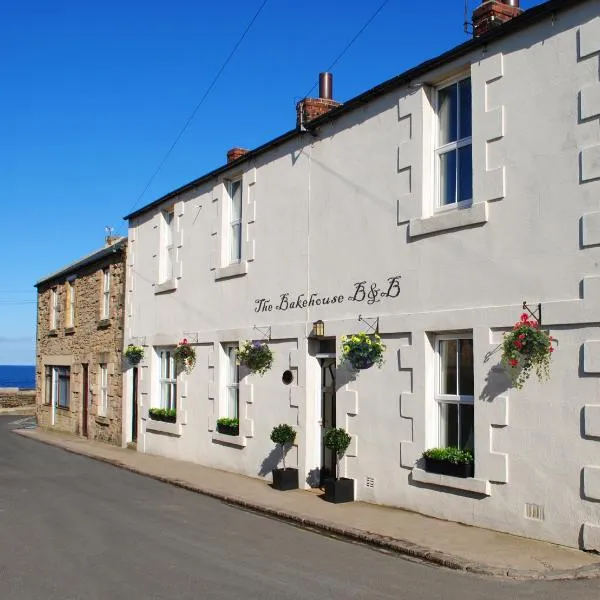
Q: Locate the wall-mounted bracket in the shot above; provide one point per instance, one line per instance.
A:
(536, 312)
(139, 340)
(265, 331)
(371, 322)
(191, 336)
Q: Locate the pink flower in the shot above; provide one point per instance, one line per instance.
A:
(524, 318)
(522, 336)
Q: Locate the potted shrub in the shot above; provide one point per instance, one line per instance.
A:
(185, 356)
(286, 478)
(228, 426)
(340, 489)
(134, 354)
(256, 356)
(169, 415)
(362, 351)
(527, 349)
(449, 461)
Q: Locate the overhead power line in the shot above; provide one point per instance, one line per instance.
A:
(197, 107)
(351, 42)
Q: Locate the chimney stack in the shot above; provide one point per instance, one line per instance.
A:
(311, 108)
(235, 153)
(492, 14)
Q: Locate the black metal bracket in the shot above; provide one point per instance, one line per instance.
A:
(371, 322)
(264, 331)
(191, 336)
(536, 313)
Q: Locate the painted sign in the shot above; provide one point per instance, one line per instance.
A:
(364, 291)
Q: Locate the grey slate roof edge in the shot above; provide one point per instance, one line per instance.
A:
(526, 19)
(84, 261)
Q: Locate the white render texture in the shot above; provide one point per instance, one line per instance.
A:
(356, 204)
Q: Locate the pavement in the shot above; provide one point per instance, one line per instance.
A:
(416, 536)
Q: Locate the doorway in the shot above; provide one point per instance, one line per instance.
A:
(84, 399)
(134, 405)
(327, 359)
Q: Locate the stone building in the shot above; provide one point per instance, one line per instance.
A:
(80, 344)
(427, 209)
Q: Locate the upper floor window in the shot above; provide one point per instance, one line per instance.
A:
(235, 221)
(168, 380)
(70, 303)
(453, 147)
(454, 390)
(103, 388)
(167, 257)
(105, 293)
(54, 308)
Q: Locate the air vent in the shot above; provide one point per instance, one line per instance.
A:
(369, 482)
(534, 511)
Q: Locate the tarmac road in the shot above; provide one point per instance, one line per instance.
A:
(72, 528)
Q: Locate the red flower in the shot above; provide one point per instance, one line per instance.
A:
(522, 336)
(183, 341)
(518, 344)
(524, 318)
(514, 362)
(550, 338)
(550, 349)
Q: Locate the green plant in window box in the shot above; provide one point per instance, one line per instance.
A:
(228, 426)
(169, 415)
(134, 354)
(526, 349)
(256, 356)
(449, 461)
(185, 356)
(362, 351)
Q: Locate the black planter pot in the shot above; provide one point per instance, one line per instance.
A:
(228, 429)
(443, 467)
(285, 479)
(362, 363)
(339, 490)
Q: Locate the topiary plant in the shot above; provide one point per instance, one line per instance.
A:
(338, 440)
(284, 435)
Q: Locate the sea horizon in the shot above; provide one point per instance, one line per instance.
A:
(17, 376)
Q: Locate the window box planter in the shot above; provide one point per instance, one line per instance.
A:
(339, 490)
(228, 428)
(285, 479)
(162, 414)
(444, 467)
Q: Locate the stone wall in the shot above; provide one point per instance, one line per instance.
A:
(90, 342)
(14, 398)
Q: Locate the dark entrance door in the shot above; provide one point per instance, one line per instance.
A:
(134, 405)
(327, 415)
(84, 400)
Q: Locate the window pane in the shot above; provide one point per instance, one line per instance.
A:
(233, 403)
(465, 173)
(464, 87)
(448, 352)
(448, 178)
(236, 200)
(236, 242)
(467, 428)
(466, 379)
(448, 425)
(447, 99)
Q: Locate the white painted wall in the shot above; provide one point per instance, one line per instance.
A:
(355, 204)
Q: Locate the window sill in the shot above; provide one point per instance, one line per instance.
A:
(103, 323)
(235, 270)
(53, 333)
(69, 330)
(166, 286)
(163, 427)
(467, 484)
(102, 420)
(476, 214)
(231, 440)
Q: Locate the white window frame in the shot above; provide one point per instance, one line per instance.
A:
(167, 378)
(231, 382)
(70, 303)
(106, 293)
(450, 146)
(102, 389)
(234, 223)
(440, 398)
(167, 254)
(53, 376)
(54, 308)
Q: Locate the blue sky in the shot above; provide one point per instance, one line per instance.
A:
(94, 94)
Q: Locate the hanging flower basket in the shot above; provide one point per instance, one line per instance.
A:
(134, 354)
(362, 351)
(185, 356)
(256, 356)
(527, 349)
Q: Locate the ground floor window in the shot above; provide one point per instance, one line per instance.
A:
(58, 386)
(168, 379)
(455, 390)
(232, 382)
